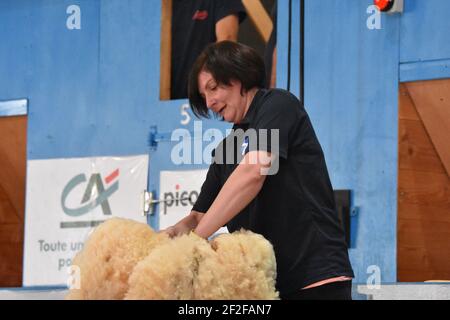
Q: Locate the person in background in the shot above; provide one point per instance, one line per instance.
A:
(195, 24)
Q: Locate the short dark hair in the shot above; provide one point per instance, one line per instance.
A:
(226, 61)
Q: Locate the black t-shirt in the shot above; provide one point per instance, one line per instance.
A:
(193, 28)
(295, 209)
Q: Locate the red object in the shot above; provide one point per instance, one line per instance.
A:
(112, 176)
(200, 15)
(384, 5)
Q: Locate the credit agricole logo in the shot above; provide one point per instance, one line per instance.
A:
(95, 194)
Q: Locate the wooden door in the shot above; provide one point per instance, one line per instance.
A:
(12, 198)
(423, 240)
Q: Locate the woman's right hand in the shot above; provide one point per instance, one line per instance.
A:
(177, 230)
(185, 225)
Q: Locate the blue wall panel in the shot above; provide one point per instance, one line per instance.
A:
(15, 53)
(89, 90)
(64, 70)
(129, 74)
(424, 40)
(425, 70)
(425, 28)
(282, 42)
(351, 83)
(295, 49)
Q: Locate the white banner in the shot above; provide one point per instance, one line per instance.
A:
(179, 190)
(66, 199)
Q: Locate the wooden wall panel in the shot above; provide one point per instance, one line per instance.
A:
(259, 17)
(432, 102)
(13, 160)
(11, 265)
(420, 259)
(423, 241)
(424, 188)
(416, 150)
(406, 110)
(165, 50)
(12, 198)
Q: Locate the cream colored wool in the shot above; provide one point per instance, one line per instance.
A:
(109, 256)
(126, 259)
(170, 270)
(250, 263)
(212, 277)
(237, 266)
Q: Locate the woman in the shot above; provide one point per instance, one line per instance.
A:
(274, 182)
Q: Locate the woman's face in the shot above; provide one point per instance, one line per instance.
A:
(224, 100)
